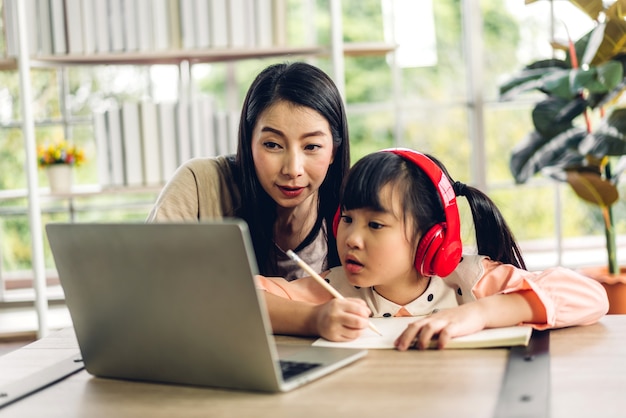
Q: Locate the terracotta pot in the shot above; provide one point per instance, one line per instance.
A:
(615, 285)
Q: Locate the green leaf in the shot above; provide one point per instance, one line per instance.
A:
(587, 79)
(536, 152)
(609, 138)
(601, 79)
(553, 116)
(557, 83)
(593, 42)
(529, 78)
(610, 74)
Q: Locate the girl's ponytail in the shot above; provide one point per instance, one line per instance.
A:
(494, 238)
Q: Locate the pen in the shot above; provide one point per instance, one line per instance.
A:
(323, 282)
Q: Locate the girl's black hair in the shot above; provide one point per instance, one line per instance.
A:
(305, 85)
(421, 202)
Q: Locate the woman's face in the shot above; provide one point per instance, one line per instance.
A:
(292, 148)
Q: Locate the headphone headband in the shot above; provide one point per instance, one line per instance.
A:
(440, 248)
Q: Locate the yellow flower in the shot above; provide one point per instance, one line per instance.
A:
(59, 152)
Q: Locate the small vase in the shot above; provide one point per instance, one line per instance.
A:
(60, 178)
(614, 284)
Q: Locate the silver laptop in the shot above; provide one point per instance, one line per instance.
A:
(177, 303)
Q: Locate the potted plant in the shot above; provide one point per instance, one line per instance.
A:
(579, 133)
(58, 158)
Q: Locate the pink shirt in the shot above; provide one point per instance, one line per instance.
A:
(567, 297)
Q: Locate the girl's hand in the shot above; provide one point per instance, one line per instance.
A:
(442, 326)
(490, 312)
(342, 319)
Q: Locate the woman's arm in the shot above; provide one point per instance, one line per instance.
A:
(178, 201)
(202, 188)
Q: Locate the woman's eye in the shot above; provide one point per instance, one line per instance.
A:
(271, 145)
(312, 147)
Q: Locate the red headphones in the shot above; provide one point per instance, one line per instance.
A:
(440, 249)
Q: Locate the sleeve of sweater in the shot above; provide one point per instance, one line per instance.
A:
(567, 297)
(195, 191)
(305, 289)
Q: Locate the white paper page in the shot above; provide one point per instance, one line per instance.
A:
(391, 328)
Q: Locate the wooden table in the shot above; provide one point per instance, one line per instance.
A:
(588, 379)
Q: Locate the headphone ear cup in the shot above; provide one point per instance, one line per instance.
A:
(336, 220)
(428, 248)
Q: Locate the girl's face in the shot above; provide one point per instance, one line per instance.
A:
(292, 148)
(375, 247)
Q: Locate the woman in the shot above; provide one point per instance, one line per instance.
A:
(293, 153)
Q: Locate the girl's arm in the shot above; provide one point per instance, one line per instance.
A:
(500, 310)
(563, 296)
(303, 307)
(505, 295)
(335, 320)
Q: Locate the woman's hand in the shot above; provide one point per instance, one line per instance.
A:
(489, 312)
(342, 319)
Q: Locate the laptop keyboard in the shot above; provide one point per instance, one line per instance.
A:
(294, 368)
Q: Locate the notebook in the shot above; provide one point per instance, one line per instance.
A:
(391, 328)
(177, 303)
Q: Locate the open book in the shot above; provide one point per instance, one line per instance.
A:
(391, 328)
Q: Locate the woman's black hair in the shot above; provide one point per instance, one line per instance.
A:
(420, 199)
(305, 85)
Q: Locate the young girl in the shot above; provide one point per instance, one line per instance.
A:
(398, 238)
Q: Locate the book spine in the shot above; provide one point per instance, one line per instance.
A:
(131, 140)
(74, 21)
(103, 159)
(114, 130)
(160, 25)
(219, 23)
(131, 35)
(167, 139)
(116, 26)
(150, 143)
(89, 26)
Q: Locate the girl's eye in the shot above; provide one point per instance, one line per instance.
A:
(375, 225)
(346, 219)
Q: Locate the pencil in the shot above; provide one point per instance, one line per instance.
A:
(324, 283)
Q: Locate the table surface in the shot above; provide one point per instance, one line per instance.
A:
(588, 378)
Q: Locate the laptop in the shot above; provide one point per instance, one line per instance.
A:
(176, 303)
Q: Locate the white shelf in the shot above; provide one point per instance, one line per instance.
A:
(174, 56)
(80, 191)
(198, 55)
